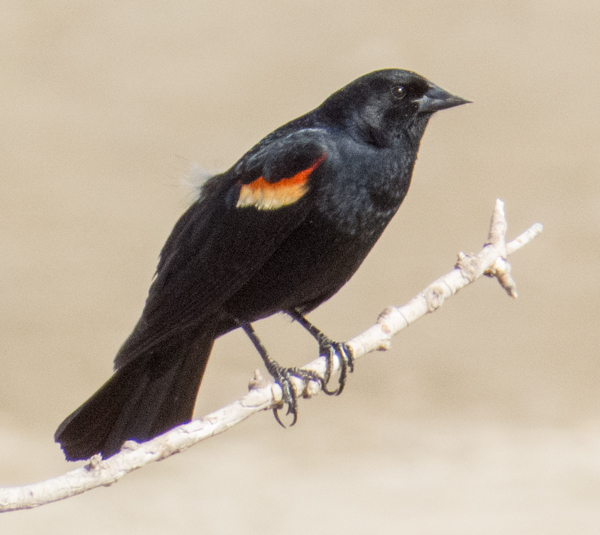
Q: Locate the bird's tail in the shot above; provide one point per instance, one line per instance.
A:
(145, 397)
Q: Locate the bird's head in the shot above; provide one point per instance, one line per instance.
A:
(382, 104)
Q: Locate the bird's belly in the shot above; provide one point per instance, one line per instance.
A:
(307, 269)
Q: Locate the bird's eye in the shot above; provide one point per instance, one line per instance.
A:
(398, 92)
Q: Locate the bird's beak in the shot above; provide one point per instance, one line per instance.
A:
(437, 99)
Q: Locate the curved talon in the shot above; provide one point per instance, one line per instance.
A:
(283, 379)
(329, 355)
(329, 350)
(348, 354)
(288, 395)
(276, 414)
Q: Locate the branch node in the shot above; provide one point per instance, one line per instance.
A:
(435, 297)
(384, 344)
(470, 266)
(257, 381)
(312, 389)
(93, 463)
(386, 314)
(500, 269)
(130, 445)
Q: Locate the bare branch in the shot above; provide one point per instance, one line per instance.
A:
(490, 261)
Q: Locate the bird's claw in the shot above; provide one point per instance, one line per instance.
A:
(283, 377)
(329, 350)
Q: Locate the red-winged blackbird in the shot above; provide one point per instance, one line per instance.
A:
(281, 231)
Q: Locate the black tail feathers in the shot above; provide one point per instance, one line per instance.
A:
(146, 397)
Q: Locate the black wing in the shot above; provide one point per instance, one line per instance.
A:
(239, 221)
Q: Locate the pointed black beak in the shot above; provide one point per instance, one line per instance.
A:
(437, 99)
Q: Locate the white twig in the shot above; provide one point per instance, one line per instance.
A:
(490, 261)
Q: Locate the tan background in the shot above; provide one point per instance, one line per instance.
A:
(484, 418)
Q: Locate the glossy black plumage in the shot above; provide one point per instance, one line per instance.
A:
(283, 229)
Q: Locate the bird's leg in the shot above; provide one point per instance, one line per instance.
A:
(281, 375)
(328, 349)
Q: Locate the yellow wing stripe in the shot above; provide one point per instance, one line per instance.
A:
(265, 195)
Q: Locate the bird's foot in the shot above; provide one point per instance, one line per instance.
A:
(329, 350)
(283, 377)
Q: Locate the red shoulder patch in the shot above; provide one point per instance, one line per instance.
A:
(265, 195)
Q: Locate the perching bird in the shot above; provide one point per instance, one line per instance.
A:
(281, 231)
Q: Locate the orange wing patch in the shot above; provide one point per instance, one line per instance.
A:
(265, 195)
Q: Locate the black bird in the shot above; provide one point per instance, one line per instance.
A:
(281, 231)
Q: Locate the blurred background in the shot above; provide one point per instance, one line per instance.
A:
(482, 418)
